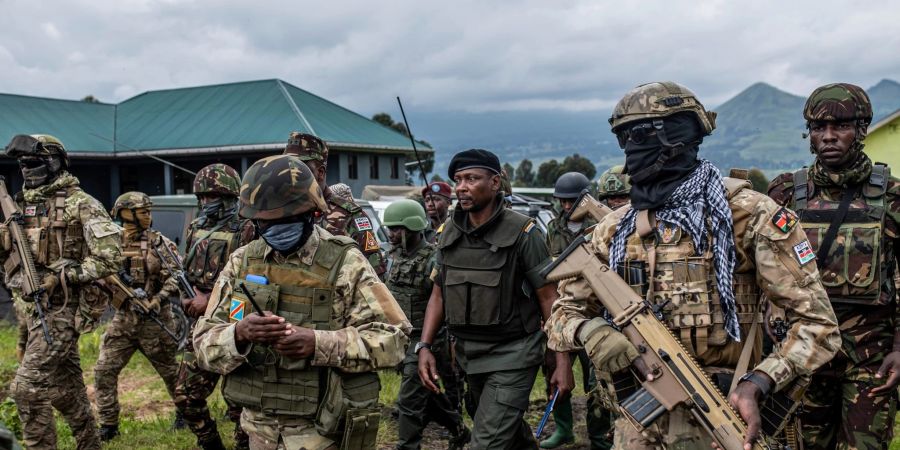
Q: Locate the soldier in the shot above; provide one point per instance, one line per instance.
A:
(614, 185)
(211, 238)
(329, 323)
(412, 260)
(560, 233)
(850, 209)
(342, 217)
(488, 288)
(74, 243)
(437, 202)
(702, 248)
(130, 330)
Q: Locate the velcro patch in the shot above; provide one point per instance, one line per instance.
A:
(804, 252)
(30, 210)
(363, 224)
(528, 227)
(236, 312)
(371, 243)
(784, 220)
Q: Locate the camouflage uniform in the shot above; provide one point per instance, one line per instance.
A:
(49, 375)
(209, 242)
(858, 276)
(358, 326)
(129, 331)
(683, 283)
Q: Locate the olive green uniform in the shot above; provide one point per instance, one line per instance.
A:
(489, 276)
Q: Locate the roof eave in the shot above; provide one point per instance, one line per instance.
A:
(277, 146)
(890, 118)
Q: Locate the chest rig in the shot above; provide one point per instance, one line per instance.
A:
(208, 252)
(664, 268)
(50, 235)
(304, 295)
(140, 263)
(486, 297)
(859, 267)
(408, 282)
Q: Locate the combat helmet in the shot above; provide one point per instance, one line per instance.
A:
(130, 200)
(37, 145)
(217, 179)
(657, 100)
(840, 102)
(406, 213)
(279, 186)
(613, 182)
(570, 184)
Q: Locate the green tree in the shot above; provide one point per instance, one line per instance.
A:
(524, 174)
(547, 173)
(759, 180)
(511, 172)
(436, 177)
(388, 121)
(90, 99)
(580, 164)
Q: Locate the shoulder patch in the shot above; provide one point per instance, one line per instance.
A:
(804, 252)
(528, 227)
(236, 311)
(31, 210)
(784, 220)
(371, 243)
(363, 223)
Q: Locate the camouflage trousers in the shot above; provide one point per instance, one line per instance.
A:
(837, 412)
(268, 432)
(126, 334)
(193, 386)
(676, 430)
(50, 376)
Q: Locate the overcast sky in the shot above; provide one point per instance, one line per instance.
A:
(447, 55)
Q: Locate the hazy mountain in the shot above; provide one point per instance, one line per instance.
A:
(885, 98)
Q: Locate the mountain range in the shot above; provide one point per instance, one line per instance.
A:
(762, 126)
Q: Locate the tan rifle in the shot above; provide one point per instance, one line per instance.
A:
(136, 298)
(587, 205)
(678, 378)
(21, 258)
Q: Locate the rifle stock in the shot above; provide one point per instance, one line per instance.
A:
(679, 379)
(22, 259)
(122, 293)
(587, 205)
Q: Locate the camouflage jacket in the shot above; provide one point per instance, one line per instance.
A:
(559, 236)
(372, 331)
(202, 273)
(146, 269)
(102, 251)
(764, 250)
(867, 331)
(346, 218)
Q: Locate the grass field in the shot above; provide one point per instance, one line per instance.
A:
(147, 411)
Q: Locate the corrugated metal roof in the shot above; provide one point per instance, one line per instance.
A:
(81, 126)
(231, 115)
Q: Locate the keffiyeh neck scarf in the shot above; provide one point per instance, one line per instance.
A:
(700, 195)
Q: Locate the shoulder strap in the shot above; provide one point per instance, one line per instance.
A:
(836, 221)
(190, 255)
(801, 190)
(744, 360)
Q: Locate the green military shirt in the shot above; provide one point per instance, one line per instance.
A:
(559, 235)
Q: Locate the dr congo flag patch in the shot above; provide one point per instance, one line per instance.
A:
(236, 312)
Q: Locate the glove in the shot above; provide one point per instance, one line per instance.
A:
(49, 283)
(609, 349)
(153, 305)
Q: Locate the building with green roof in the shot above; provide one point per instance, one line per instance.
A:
(112, 146)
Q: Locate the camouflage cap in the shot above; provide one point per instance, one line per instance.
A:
(306, 147)
(613, 182)
(660, 99)
(36, 145)
(130, 200)
(838, 102)
(279, 186)
(217, 179)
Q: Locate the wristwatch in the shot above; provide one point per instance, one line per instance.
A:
(760, 381)
(420, 345)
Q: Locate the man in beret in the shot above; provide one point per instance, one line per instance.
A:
(489, 291)
(344, 217)
(437, 203)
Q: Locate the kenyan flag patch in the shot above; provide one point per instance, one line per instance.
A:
(784, 220)
(236, 312)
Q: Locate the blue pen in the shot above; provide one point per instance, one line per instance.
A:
(546, 416)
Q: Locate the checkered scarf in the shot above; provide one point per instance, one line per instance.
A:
(699, 196)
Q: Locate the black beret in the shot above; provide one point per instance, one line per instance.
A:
(474, 158)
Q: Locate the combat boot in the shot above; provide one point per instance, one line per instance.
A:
(460, 438)
(178, 423)
(108, 432)
(214, 442)
(563, 435)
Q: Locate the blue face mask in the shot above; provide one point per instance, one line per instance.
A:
(284, 236)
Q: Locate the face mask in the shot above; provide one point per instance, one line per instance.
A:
(37, 171)
(284, 236)
(211, 210)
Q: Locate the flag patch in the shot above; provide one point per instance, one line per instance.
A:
(362, 223)
(784, 220)
(237, 310)
(804, 252)
(30, 210)
(371, 243)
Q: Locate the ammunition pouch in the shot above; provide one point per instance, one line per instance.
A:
(348, 412)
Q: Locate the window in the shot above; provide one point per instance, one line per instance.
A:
(352, 165)
(395, 167)
(373, 167)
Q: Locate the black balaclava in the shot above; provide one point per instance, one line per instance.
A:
(681, 134)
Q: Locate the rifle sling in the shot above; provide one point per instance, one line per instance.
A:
(193, 249)
(836, 221)
(746, 352)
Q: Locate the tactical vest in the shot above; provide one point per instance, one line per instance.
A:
(50, 236)
(139, 263)
(304, 296)
(204, 262)
(856, 270)
(486, 296)
(408, 282)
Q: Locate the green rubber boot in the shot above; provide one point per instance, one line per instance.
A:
(562, 416)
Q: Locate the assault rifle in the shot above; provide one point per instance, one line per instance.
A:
(122, 292)
(21, 258)
(678, 378)
(178, 271)
(587, 205)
